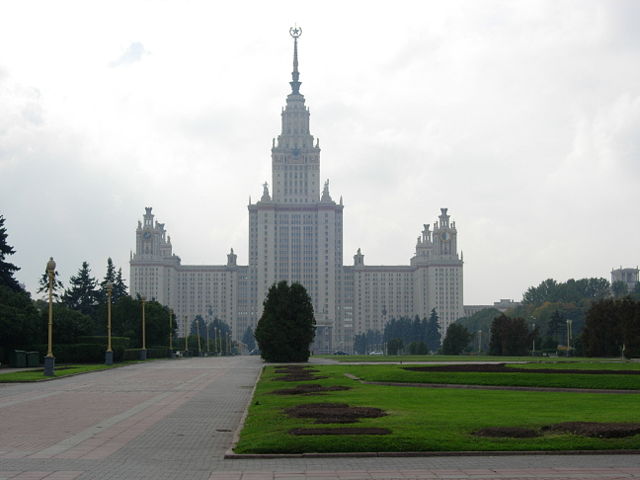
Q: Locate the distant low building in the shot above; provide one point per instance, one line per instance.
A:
(503, 305)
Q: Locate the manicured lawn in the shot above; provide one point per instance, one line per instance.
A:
(395, 373)
(424, 419)
(60, 371)
(459, 358)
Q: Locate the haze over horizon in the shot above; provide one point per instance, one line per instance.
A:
(521, 118)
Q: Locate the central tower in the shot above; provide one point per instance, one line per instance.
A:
(296, 233)
(295, 160)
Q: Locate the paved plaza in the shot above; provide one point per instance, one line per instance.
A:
(176, 419)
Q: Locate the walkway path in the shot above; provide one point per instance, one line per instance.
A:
(175, 419)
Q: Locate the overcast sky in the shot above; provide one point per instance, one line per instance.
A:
(521, 117)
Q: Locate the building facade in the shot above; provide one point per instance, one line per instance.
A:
(296, 234)
(628, 276)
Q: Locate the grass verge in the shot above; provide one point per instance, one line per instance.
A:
(60, 371)
(395, 373)
(423, 419)
(467, 358)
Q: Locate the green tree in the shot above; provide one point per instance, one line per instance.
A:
(418, 348)
(82, 294)
(126, 321)
(395, 346)
(432, 332)
(109, 276)
(480, 322)
(287, 325)
(19, 321)
(612, 328)
(57, 286)
(119, 287)
(7, 269)
(619, 289)
(509, 336)
(68, 324)
(456, 340)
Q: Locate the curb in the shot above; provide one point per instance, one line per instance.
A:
(463, 453)
(236, 435)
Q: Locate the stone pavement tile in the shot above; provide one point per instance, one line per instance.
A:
(257, 476)
(64, 475)
(225, 476)
(31, 475)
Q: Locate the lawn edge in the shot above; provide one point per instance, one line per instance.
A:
(236, 434)
(462, 453)
(51, 379)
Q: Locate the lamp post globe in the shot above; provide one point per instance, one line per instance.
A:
(49, 359)
(108, 355)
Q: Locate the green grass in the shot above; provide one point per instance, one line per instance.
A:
(395, 373)
(423, 419)
(60, 371)
(461, 358)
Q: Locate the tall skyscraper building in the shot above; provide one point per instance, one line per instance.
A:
(296, 234)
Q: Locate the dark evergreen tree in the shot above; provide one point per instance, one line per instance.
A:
(57, 286)
(119, 287)
(82, 294)
(556, 329)
(19, 321)
(109, 276)
(287, 325)
(248, 339)
(395, 346)
(456, 340)
(612, 328)
(7, 269)
(509, 336)
(433, 332)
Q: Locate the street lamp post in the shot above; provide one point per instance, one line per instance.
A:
(533, 347)
(569, 322)
(198, 337)
(143, 351)
(49, 360)
(108, 355)
(186, 337)
(479, 342)
(171, 352)
(206, 332)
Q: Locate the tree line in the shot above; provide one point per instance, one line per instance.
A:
(79, 310)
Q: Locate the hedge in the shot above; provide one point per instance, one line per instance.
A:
(116, 342)
(79, 352)
(152, 352)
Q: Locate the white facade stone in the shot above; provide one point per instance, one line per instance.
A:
(296, 235)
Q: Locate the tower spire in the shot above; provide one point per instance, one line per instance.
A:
(295, 32)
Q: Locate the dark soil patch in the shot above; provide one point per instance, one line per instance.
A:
(298, 378)
(309, 389)
(502, 368)
(340, 431)
(511, 432)
(333, 412)
(596, 429)
(297, 373)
